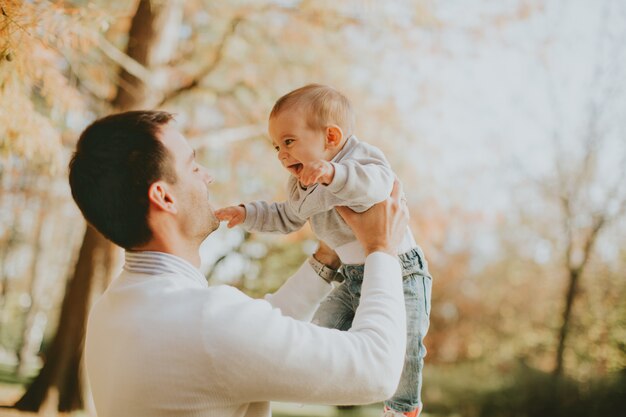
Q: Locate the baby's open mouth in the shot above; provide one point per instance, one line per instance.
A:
(295, 168)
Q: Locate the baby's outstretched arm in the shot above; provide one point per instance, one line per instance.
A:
(234, 215)
(262, 216)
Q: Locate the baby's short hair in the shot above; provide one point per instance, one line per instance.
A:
(323, 105)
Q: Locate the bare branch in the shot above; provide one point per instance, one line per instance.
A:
(598, 225)
(232, 27)
(72, 75)
(127, 63)
(567, 228)
(217, 58)
(225, 137)
(615, 204)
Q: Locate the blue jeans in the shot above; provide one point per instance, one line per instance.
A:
(337, 312)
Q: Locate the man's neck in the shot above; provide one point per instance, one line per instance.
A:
(188, 252)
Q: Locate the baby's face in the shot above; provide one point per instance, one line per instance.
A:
(295, 142)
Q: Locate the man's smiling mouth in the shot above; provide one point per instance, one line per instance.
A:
(295, 168)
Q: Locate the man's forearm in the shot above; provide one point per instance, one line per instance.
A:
(309, 363)
(301, 294)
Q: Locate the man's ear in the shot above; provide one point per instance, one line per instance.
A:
(160, 197)
(334, 136)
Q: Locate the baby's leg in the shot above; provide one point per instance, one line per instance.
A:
(336, 311)
(417, 293)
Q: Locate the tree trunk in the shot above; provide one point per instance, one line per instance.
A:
(61, 369)
(574, 274)
(27, 349)
(150, 43)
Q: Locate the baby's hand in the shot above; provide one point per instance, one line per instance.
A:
(317, 172)
(234, 215)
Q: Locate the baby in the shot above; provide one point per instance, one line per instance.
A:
(312, 131)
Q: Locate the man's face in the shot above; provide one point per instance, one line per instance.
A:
(295, 142)
(191, 192)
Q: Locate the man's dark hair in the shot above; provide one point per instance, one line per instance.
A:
(117, 158)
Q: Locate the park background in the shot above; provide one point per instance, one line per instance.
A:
(505, 120)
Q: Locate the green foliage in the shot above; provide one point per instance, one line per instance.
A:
(533, 393)
(474, 389)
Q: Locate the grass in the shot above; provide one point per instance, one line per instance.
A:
(297, 410)
(463, 390)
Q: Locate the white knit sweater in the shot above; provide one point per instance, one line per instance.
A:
(169, 345)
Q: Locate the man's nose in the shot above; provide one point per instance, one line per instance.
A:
(207, 177)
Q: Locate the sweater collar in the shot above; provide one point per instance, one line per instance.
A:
(351, 142)
(156, 263)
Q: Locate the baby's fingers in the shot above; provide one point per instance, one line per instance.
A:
(224, 214)
(234, 221)
(220, 214)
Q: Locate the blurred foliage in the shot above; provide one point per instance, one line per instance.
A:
(532, 393)
(517, 390)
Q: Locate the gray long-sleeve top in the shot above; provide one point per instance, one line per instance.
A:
(362, 178)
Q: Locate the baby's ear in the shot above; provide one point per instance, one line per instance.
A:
(334, 136)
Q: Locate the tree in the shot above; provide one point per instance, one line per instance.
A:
(585, 216)
(586, 194)
(97, 256)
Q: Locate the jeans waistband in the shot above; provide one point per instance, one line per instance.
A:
(411, 262)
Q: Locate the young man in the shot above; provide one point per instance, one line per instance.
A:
(160, 342)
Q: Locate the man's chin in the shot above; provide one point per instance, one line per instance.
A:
(211, 227)
(213, 224)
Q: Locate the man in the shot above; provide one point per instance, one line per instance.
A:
(160, 342)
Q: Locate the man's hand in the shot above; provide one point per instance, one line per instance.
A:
(234, 215)
(383, 225)
(320, 171)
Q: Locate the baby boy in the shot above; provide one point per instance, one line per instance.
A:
(312, 131)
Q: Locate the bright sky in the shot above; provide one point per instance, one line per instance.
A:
(486, 89)
(503, 90)
(489, 116)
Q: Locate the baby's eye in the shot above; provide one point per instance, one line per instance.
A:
(276, 148)
(288, 142)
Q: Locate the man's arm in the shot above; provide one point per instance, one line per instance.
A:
(268, 356)
(300, 296)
